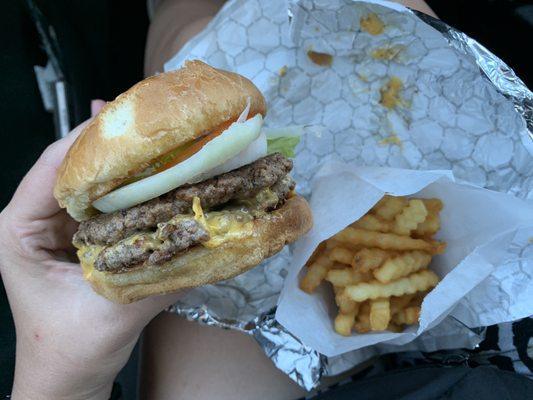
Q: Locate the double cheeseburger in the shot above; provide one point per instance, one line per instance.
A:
(175, 186)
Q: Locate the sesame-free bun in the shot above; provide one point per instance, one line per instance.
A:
(201, 265)
(153, 117)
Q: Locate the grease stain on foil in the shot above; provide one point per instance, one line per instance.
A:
(387, 53)
(322, 59)
(390, 93)
(372, 24)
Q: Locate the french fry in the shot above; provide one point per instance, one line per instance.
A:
(438, 247)
(342, 255)
(337, 265)
(393, 327)
(344, 323)
(372, 223)
(388, 207)
(378, 265)
(346, 276)
(321, 248)
(346, 305)
(362, 322)
(431, 224)
(366, 260)
(331, 244)
(410, 217)
(398, 303)
(433, 205)
(340, 277)
(402, 265)
(315, 274)
(379, 314)
(418, 299)
(422, 280)
(386, 241)
(407, 316)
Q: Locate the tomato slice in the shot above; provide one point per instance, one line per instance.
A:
(191, 149)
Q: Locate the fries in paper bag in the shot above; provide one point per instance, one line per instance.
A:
(394, 252)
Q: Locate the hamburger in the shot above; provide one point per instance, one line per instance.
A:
(176, 185)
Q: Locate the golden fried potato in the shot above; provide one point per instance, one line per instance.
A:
(372, 223)
(362, 322)
(342, 255)
(388, 207)
(366, 260)
(413, 283)
(316, 272)
(410, 217)
(402, 265)
(346, 276)
(398, 303)
(407, 316)
(378, 265)
(386, 241)
(379, 314)
(346, 305)
(344, 322)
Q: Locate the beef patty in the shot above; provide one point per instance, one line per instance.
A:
(244, 182)
(172, 239)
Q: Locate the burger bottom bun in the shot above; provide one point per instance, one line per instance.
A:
(201, 265)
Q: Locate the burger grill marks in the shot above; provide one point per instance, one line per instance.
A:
(151, 233)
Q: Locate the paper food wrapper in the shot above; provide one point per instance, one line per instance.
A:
(478, 224)
(460, 108)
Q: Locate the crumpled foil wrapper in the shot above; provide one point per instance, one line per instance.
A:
(461, 108)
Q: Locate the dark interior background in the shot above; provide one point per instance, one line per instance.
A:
(102, 44)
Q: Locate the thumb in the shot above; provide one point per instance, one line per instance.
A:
(96, 106)
(34, 197)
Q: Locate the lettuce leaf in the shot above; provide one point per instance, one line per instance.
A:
(285, 145)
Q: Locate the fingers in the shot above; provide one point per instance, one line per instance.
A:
(34, 197)
(55, 233)
(96, 106)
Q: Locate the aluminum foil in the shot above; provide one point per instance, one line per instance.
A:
(463, 109)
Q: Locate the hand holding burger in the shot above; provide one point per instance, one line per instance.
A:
(174, 186)
(71, 342)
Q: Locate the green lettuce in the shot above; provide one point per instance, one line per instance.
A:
(285, 145)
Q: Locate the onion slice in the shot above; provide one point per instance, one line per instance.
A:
(244, 115)
(256, 150)
(224, 147)
(287, 131)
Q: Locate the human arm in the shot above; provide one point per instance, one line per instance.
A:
(71, 342)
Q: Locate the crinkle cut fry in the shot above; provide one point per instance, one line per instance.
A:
(419, 281)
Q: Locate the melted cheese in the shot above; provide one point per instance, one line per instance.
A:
(87, 256)
(223, 225)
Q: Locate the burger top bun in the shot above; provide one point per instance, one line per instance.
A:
(153, 117)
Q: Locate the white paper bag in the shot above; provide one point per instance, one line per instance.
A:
(479, 226)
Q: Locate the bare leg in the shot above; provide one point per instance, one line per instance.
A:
(184, 360)
(177, 21)
(419, 5)
(173, 24)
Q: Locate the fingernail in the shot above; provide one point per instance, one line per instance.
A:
(96, 106)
